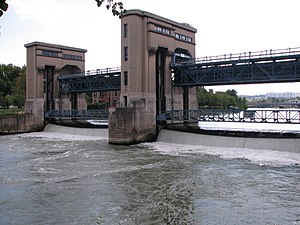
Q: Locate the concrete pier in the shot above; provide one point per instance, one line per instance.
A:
(131, 125)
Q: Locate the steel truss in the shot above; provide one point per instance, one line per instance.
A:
(251, 116)
(108, 79)
(77, 114)
(245, 68)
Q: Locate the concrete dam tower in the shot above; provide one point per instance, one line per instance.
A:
(45, 63)
(149, 43)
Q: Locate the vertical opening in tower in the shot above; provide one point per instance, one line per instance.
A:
(160, 80)
(181, 56)
(48, 88)
(74, 101)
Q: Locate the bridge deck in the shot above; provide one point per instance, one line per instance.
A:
(243, 68)
(108, 79)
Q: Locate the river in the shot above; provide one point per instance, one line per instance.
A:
(50, 178)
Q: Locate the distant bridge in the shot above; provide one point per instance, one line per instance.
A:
(268, 66)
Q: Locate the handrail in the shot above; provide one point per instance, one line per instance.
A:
(243, 56)
(250, 115)
(79, 114)
(104, 71)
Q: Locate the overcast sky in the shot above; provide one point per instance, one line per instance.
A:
(224, 27)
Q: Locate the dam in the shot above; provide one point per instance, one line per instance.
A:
(285, 144)
(158, 76)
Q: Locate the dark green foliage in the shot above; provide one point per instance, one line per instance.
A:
(12, 85)
(220, 100)
(117, 8)
(97, 106)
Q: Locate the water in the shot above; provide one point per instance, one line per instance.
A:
(48, 178)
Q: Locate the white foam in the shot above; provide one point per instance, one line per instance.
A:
(61, 136)
(261, 157)
(257, 127)
(277, 144)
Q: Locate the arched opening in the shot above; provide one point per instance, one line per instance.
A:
(182, 55)
(70, 69)
(65, 71)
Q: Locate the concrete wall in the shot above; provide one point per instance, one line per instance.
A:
(13, 124)
(143, 40)
(279, 144)
(148, 43)
(90, 132)
(63, 60)
(131, 125)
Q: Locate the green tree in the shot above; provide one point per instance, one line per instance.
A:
(19, 90)
(202, 96)
(220, 100)
(12, 85)
(232, 93)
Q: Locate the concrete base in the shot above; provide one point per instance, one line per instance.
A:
(131, 126)
(20, 123)
(90, 132)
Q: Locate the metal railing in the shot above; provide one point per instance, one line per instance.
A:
(251, 115)
(77, 114)
(242, 56)
(104, 71)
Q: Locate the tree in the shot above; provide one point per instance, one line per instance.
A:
(12, 85)
(19, 89)
(232, 93)
(3, 7)
(117, 8)
(220, 100)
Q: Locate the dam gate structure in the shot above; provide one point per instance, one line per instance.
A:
(56, 80)
(155, 83)
(45, 63)
(148, 45)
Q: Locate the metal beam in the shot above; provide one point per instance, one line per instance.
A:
(98, 80)
(270, 67)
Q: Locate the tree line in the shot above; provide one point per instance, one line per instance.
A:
(220, 100)
(12, 86)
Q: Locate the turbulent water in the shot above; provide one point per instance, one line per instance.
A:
(48, 178)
